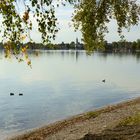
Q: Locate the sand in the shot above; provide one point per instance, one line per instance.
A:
(100, 124)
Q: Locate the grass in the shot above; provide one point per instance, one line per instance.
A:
(93, 114)
(133, 120)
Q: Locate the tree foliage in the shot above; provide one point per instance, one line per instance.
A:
(90, 16)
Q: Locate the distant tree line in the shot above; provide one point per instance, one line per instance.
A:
(62, 46)
(120, 46)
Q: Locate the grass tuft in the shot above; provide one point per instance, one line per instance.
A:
(93, 114)
(133, 120)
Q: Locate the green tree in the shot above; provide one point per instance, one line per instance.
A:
(138, 44)
(134, 45)
(72, 45)
(90, 16)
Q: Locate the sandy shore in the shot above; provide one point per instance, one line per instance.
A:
(118, 122)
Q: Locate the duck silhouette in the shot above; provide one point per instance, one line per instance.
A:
(103, 80)
(20, 94)
(12, 94)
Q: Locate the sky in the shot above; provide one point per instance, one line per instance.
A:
(67, 34)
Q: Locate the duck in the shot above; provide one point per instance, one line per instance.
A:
(103, 80)
(20, 94)
(12, 94)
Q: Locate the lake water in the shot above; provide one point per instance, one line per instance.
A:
(61, 84)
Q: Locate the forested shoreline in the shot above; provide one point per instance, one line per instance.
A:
(120, 46)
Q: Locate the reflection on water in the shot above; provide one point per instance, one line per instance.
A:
(62, 84)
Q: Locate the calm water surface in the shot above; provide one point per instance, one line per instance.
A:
(62, 84)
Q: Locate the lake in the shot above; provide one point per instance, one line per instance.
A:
(61, 84)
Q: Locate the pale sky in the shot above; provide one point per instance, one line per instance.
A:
(67, 34)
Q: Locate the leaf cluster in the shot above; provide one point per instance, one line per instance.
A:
(92, 17)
